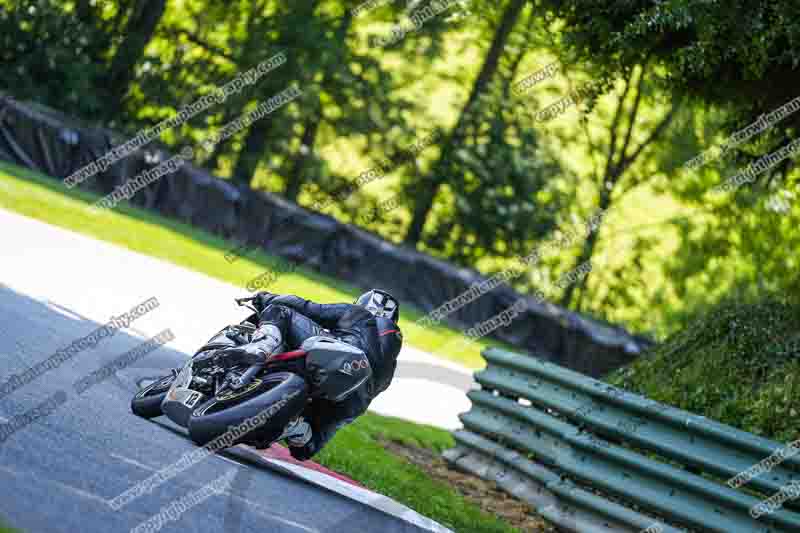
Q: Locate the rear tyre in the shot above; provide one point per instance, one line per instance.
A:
(267, 408)
(147, 402)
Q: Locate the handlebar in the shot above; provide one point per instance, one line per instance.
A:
(244, 302)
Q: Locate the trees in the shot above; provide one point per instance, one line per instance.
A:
(346, 93)
(299, 46)
(496, 193)
(426, 190)
(619, 152)
(144, 17)
(54, 56)
(728, 62)
(743, 55)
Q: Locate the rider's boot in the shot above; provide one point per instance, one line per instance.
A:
(266, 340)
(297, 433)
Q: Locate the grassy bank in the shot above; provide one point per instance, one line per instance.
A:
(31, 194)
(738, 364)
(357, 452)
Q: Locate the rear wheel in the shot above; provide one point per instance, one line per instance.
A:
(256, 415)
(147, 402)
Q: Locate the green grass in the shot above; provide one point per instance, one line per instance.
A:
(34, 195)
(356, 452)
(5, 529)
(738, 364)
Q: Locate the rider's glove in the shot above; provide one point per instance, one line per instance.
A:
(262, 300)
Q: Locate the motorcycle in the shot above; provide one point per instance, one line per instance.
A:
(214, 393)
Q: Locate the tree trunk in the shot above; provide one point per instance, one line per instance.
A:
(252, 44)
(228, 113)
(586, 254)
(428, 187)
(138, 33)
(255, 142)
(295, 178)
(253, 150)
(83, 10)
(617, 163)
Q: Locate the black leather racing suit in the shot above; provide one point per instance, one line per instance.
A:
(379, 338)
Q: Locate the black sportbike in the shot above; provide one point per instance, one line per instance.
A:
(212, 393)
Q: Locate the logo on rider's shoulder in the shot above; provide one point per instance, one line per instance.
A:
(350, 367)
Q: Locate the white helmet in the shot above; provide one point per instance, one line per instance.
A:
(380, 303)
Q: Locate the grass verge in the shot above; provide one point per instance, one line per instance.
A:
(34, 195)
(357, 452)
(738, 364)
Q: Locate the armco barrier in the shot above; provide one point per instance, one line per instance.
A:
(593, 458)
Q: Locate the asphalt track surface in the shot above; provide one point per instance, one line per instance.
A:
(58, 472)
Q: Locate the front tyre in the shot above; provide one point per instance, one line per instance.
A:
(147, 402)
(254, 416)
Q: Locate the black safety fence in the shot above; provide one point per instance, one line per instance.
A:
(45, 140)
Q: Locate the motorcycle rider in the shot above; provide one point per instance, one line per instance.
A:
(370, 324)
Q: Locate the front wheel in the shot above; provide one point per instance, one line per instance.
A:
(147, 402)
(256, 415)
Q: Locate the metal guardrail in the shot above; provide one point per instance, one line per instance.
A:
(593, 458)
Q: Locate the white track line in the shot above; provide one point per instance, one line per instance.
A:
(268, 513)
(69, 488)
(231, 461)
(134, 462)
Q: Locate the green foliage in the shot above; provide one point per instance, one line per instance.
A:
(738, 53)
(674, 261)
(738, 363)
(346, 93)
(501, 183)
(56, 53)
(350, 98)
(499, 196)
(506, 182)
(740, 243)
